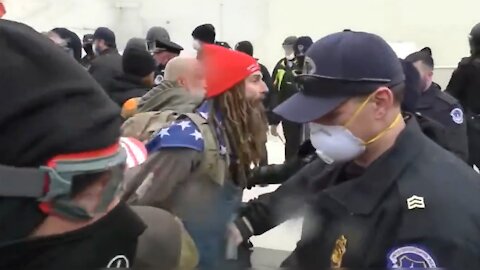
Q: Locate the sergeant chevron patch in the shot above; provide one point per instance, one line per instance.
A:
(415, 202)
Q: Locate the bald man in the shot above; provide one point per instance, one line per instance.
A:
(182, 90)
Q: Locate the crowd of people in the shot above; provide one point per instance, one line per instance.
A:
(139, 159)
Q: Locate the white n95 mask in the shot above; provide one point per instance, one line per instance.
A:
(335, 143)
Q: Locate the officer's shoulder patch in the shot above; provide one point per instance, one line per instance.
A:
(182, 133)
(457, 115)
(410, 256)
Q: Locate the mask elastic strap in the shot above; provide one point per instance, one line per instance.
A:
(394, 123)
(359, 109)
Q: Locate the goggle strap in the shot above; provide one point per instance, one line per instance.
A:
(30, 182)
(21, 182)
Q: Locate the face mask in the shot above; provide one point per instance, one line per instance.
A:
(196, 44)
(289, 52)
(96, 50)
(113, 237)
(338, 144)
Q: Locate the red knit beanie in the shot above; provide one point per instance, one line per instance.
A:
(224, 68)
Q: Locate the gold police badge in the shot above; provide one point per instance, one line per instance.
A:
(338, 251)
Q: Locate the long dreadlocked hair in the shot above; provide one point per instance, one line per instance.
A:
(245, 123)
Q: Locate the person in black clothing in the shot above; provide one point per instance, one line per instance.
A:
(137, 78)
(108, 62)
(300, 49)
(57, 194)
(203, 34)
(283, 83)
(67, 40)
(378, 195)
(464, 86)
(156, 33)
(247, 47)
(88, 48)
(440, 106)
(136, 43)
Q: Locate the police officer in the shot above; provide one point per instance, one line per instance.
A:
(279, 173)
(381, 190)
(163, 52)
(162, 49)
(438, 105)
(283, 76)
(464, 86)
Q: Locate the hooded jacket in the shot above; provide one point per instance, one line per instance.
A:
(125, 87)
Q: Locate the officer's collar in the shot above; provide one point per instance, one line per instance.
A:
(425, 101)
(363, 194)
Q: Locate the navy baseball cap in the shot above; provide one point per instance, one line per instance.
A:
(338, 67)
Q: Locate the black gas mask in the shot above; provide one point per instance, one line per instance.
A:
(88, 48)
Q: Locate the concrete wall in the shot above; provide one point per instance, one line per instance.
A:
(442, 25)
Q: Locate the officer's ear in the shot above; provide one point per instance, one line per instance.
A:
(430, 73)
(383, 100)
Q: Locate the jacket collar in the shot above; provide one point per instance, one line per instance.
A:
(109, 51)
(427, 97)
(361, 195)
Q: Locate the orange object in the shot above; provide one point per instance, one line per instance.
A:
(129, 108)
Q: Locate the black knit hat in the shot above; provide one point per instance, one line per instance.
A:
(205, 33)
(58, 109)
(424, 55)
(137, 43)
(137, 62)
(72, 41)
(245, 47)
(107, 35)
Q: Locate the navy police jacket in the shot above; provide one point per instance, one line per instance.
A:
(414, 207)
(446, 110)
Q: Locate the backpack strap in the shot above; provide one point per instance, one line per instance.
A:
(213, 164)
(142, 126)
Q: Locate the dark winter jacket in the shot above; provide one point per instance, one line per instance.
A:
(106, 67)
(125, 87)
